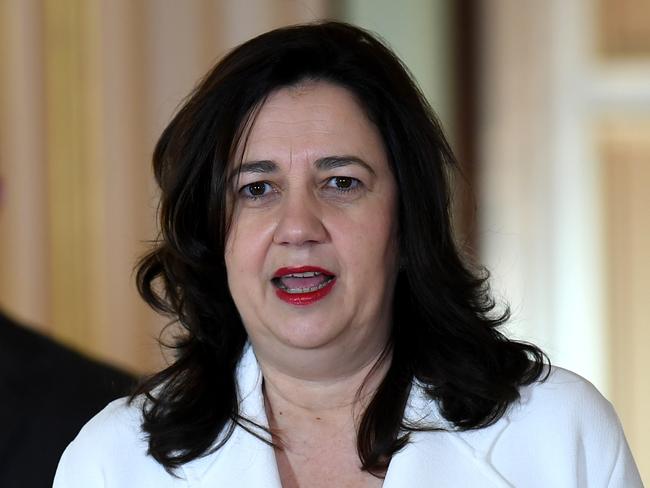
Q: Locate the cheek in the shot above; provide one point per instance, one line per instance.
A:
(247, 245)
(232, 248)
(239, 252)
(243, 268)
(369, 245)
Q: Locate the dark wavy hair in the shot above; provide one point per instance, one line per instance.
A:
(445, 324)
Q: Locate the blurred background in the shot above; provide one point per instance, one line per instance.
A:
(546, 102)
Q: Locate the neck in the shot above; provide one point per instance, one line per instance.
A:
(343, 394)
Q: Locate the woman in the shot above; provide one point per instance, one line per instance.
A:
(333, 335)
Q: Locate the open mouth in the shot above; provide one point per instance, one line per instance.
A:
(306, 282)
(303, 285)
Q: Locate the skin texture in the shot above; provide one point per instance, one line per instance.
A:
(315, 358)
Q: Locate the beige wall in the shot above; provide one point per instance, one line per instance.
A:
(564, 205)
(624, 144)
(86, 87)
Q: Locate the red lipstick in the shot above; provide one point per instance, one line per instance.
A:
(303, 285)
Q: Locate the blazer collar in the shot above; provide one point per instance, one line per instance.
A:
(445, 456)
(438, 458)
(244, 460)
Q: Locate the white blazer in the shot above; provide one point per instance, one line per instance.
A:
(562, 433)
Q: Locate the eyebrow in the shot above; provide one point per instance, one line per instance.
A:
(257, 167)
(252, 167)
(332, 162)
(323, 164)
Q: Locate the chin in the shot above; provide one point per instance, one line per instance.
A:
(308, 334)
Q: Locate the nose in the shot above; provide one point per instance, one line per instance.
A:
(300, 223)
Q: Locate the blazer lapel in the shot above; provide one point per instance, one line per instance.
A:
(244, 460)
(443, 457)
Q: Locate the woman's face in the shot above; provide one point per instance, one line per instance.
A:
(312, 251)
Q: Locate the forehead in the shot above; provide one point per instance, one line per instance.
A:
(312, 120)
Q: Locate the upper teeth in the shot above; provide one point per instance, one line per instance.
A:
(308, 274)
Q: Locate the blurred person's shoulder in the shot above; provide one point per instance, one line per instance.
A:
(33, 364)
(48, 393)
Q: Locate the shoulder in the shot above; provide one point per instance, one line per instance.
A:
(118, 420)
(564, 421)
(75, 375)
(110, 450)
(568, 407)
(563, 386)
(561, 432)
(46, 399)
(118, 424)
(566, 399)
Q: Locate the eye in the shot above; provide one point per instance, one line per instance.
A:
(256, 190)
(343, 183)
